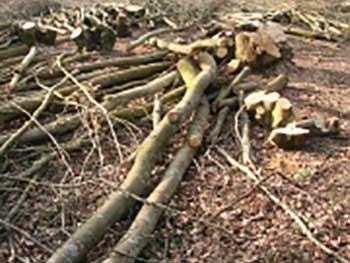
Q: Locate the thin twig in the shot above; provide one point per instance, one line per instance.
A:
(26, 235)
(14, 137)
(97, 104)
(242, 197)
(304, 228)
(52, 138)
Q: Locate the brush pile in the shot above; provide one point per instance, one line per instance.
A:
(64, 80)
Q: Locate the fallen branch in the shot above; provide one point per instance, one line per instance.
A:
(142, 39)
(156, 85)
(8, 225)
(23, 67)
(224, 92)
(157, 111)
(222, 115)
(147, 218)
(93, 230)
(14, 137)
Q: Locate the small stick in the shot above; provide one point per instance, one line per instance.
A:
(23, 67)
(219, 124)
(12, 140)
(26, 235)
(305, 230)
(157, 111)
(151, 34)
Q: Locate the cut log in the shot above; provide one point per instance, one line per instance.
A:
(233, 66)
(8, 111)
(56, 128)
(201, 82)
(107, 37)
(92, 231)
(256, 49)
(146, 220)
(188, 70)
(26, 32)
(142, 39)
(277, 84)
(289, 138)
(122, 26)
(173, 47)
(144, 110)
(157, 111)
(225, 91)
(253, 100)
(221, 118)
(156, 85)
(318, 126)
(115, 62)
(245, 51)
(130, 74)
(23, 67)
(282, 114)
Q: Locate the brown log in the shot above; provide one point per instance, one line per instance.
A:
(92, 231)
(282, 114)
(156, 85)
(277, 84)
(225, 91)
(115, 62)
(289, 138)
(188, 70)
(221, 118)
(149, 215)
(23, 67)
(201, 82)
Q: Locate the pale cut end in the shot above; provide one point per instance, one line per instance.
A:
(289, 138)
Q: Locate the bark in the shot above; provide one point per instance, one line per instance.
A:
(16, 136)
(277, 84)
(282, 113)
(221, 118)
(93, 230)
(8, 112)
(23, 49)
(201, 82)
(224, 92)
(318, 126)
(229, 102)
(187, 69)
(56, 128)
(23, 67)
(142, 39)
(130, 74)
(157, 111)
(137, 237)
(144, 110)
(116, 62)
(245, 142)
(213, 43)
(156, 85)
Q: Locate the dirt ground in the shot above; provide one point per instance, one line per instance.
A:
(315, 181)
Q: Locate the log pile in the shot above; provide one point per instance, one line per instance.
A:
(45, 89)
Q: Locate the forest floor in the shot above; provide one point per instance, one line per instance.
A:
(315, 181)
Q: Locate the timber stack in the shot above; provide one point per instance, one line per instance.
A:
(56, 68)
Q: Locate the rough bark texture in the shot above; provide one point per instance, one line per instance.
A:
(146, 220)
(93, 230)
(152, 87)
